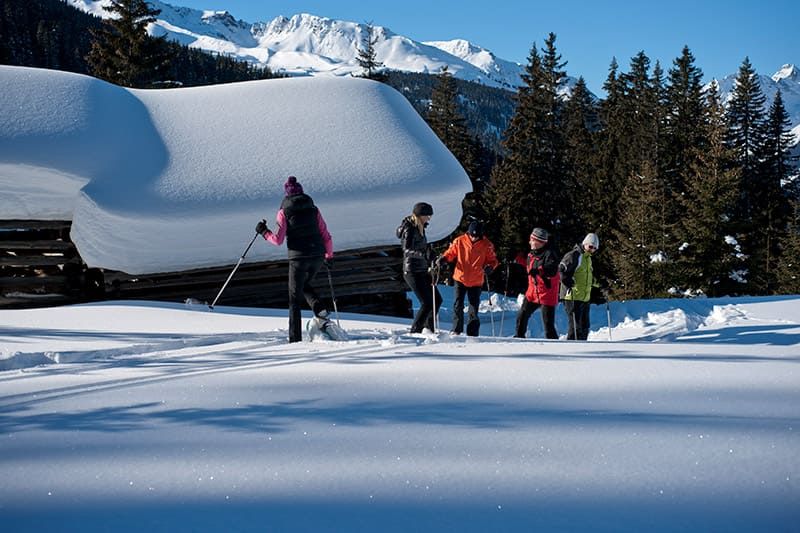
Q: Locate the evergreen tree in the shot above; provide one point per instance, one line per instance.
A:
(746, 134)
(612, 168)
(123, 53)
(639, 264)
(683, 128)
(448, 124)
(772, 199)
(528, 186)
(706, 258)
(788, 272)
(366, 55)
(580, 126)
(446, 121)
(634, 139)
(757, 223)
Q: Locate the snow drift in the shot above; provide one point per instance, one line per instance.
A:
(177, 178)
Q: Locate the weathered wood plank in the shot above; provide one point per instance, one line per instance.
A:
(35, 224)
(45, 245)
(35, 260)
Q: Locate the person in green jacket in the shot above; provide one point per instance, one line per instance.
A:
(577, 280)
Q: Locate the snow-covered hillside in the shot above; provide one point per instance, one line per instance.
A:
(176, 179)
(166, 417)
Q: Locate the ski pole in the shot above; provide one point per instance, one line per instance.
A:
(333, 295)
(608, 316)
(489, 291)
(574, 322)
(434, 280)
(505, 295)
(233, 271)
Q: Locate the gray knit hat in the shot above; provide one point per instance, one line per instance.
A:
(540, 234)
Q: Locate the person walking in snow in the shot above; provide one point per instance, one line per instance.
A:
(543, 285)
(416, 256)
(474, 259)
(577, 281)
(309, 243)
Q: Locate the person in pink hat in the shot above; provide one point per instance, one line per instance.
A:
(309, 243)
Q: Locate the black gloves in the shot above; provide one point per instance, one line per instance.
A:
(442, 262)
(568, 282)
(261, 227)
(328, 262)
(487, 269)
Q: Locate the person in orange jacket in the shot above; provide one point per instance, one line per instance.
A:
(474, 258)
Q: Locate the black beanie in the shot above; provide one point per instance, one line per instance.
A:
(423, 210)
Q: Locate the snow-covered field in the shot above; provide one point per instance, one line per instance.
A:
(125, 416)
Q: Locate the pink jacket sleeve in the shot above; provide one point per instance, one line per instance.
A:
(277, 237)
(326, 236)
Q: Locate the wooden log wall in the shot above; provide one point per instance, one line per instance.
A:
(40, 266)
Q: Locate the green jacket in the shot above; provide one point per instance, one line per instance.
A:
(576, 269)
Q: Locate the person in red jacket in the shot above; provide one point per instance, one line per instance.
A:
(543, 285)
(474, 258)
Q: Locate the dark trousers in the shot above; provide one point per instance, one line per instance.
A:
(301, 274)
(578, 316)
(548, 319)
(422, 285)
(473, 295)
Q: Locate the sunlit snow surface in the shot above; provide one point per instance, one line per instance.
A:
(168, 417)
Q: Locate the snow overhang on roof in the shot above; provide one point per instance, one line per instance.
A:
(173, 179)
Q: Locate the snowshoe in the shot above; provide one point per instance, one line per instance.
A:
(325, 329)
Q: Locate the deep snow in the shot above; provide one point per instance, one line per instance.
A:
(167, 417)
(176, 179)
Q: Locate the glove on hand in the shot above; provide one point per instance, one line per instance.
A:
(328, 262)
(568, 282)
(488, 269)
(261, 227)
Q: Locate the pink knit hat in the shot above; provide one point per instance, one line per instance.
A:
(292, 187)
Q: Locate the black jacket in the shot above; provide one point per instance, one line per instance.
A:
(303, 238)
(415, 247)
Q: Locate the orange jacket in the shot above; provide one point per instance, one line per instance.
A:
(470, 258)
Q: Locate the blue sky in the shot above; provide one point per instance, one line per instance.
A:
(720, 34)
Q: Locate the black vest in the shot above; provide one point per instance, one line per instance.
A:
(303, 238)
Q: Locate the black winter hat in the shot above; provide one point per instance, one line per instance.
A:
(422, 209)
(475, 228)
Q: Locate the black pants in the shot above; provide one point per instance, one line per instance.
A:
(578, 316)
(421, 283)
(473, 295)
(548, 319)
(301, 274)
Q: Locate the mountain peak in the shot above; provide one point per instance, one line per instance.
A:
(787, 72)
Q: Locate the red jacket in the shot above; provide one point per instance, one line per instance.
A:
(470, 258)
(543, 288)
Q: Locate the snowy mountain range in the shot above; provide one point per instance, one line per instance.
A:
(787, 79)
(306, 44)
(309, 45)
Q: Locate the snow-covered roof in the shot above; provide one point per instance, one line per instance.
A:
(162, 180)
